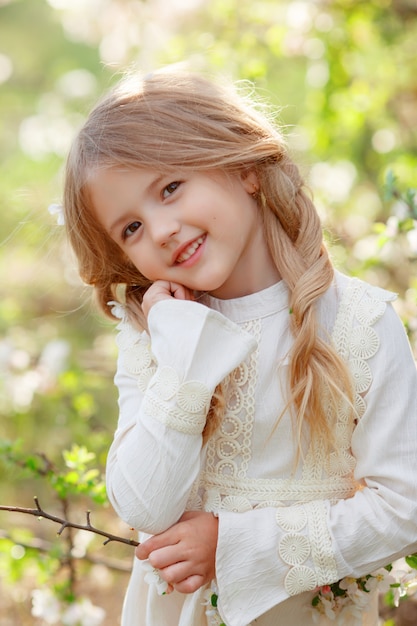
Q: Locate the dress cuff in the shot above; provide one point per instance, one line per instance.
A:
(198, 343)
(249, 580)
(190, 350)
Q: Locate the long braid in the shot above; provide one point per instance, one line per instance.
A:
(299, 252)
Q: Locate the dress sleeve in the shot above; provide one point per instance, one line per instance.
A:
(264, 556)
(166, 380)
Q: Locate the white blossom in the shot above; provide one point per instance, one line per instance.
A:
(381, 580)
(83, 613)
(46, 606)
(58, 210)
(152, 577)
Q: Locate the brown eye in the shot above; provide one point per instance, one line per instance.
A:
(131, 229)
(169, 189)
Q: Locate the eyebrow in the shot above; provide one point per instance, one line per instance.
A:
(122, 218)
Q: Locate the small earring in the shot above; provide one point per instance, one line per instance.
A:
(255, 190)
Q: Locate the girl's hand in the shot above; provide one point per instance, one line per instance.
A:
(164, 290)
(185, 554)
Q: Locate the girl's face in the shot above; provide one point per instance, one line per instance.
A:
(202, 230)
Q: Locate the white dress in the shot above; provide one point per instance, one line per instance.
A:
(284, 530)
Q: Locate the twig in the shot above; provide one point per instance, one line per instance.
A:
(40, 513)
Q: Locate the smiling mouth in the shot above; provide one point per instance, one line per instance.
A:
(190, 250)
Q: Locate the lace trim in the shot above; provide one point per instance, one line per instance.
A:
(299, 579)
(356, 341)
(172, 417)
(230, 450)
(295, 548)
(134, 346)
(292, 519)
(192, 402)
(278, 490)
(321, 543)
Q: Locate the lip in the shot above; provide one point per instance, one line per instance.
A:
(179, 251)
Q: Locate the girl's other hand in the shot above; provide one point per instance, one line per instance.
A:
(164, 290)
(185, 554)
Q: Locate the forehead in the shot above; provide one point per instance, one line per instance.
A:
(110, 184)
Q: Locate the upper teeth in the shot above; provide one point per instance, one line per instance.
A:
(190, 250)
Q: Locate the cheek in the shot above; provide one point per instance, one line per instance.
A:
(145, 264)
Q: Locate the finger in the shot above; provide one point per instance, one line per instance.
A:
(164, 290)
(176, 573)
(142, 551)
(179, 292)
(169, 537)
(166, 556)
(190, 584)
(183, 575)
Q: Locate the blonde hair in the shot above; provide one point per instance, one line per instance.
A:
(179, 121)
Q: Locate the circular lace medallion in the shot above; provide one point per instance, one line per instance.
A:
(344, 413)
(291, 518)
(193, 397)
(166, 383)
(360, 406)
(237, 504)
(370, 310)
(231, 426)
(235, 400)
(225, 468)
(340, 463)
(299, 579)
(364, 343)
(144, 378)
(137, 358)
(294, 549)
(361, 373)
(194, 503)
(227, 448)
(127, 337)
(212, 500)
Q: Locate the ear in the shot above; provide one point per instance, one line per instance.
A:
(250, 181)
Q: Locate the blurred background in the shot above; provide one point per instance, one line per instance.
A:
(342, 76)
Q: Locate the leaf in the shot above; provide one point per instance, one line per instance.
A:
(78, 457)
(389, 186)
(412, 560)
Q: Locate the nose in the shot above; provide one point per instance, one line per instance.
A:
(162, 227)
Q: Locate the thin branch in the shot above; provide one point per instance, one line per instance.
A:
(40, 513)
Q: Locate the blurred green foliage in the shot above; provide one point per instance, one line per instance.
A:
(342, 77)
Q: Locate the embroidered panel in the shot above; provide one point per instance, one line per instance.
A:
(230, 450)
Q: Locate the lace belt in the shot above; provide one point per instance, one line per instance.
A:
(264, 490)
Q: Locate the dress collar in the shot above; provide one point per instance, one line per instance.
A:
(254, 306)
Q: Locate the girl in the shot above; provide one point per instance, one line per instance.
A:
(267, 434)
